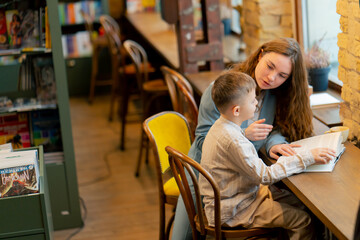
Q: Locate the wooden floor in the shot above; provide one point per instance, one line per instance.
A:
(118, 205)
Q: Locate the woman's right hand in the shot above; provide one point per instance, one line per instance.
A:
(258, 130)
(322, 155)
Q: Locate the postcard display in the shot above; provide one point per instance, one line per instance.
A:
(34, 112)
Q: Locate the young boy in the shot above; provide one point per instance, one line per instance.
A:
(233, 162)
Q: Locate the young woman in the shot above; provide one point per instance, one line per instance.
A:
(283, 113)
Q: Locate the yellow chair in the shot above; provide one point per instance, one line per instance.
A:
(167, 129)
(197, 218)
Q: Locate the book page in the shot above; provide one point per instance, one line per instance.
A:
(319, 99)
(330, 140)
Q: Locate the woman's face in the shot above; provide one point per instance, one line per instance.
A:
(272, 70)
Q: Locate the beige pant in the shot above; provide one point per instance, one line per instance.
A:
(282, 209)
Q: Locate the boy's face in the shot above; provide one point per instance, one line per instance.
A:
(248, 105)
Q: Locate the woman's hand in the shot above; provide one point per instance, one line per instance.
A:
(322, 155)
(282, 150)
(258, 130)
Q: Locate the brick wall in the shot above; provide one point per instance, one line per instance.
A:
(349, 64)
(266, 20)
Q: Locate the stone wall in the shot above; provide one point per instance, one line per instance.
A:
(265, 20)
(349, 64)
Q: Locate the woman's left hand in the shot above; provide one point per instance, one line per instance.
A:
(282, 150)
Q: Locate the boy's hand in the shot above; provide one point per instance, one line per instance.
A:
(322, 155)
(258, 130)
(282, 150)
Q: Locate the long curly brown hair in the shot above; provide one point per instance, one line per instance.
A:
(293, 113)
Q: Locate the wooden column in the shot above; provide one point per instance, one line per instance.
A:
(190, 51)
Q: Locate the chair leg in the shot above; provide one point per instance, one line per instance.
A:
(147, 145)
(124, 107)
(143, 136)
(169, 225)
(112, 100)
(93, 74)
(162, 220)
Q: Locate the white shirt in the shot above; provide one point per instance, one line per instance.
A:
(234, 163)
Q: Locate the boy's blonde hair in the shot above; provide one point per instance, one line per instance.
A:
(231, 86)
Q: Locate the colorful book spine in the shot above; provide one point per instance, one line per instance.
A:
(47, 30)
(62, 13)
(71, 13)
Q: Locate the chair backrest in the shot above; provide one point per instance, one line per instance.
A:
(88, 25)
(112, 31)
(139, 58)
(182, 96)
(180, 162)
(166, 129)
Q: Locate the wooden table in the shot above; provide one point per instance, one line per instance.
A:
(328, 115)
(333, 197)
(162, 37)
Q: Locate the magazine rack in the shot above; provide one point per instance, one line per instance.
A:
(28, 216)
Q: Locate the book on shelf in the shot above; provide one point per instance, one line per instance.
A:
(29, 28)
(69, 13)
(14, 129)
(4, 44)
(44, 79)
(319, 100)
(13, 23)
(19, 173)
(45, 127)
(47, 29)
(76, 45)
(23, 28)
(328, 140)
(54, 157)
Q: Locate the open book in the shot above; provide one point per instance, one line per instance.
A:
(318, 100)
(330, 140)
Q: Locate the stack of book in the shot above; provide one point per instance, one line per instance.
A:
(19, 172)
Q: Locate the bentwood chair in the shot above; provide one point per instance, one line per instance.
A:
(150, 90)
(179, 163)
(182, 96)
(98, 43)
(121, 73)
(163, 129)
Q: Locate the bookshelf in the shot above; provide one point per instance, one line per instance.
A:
(61, 174)
(78, 59)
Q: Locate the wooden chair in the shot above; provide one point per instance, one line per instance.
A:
(150, 90)
(163, 129)
(112, 32)
(98, 43)
(178, 163)
(182, 96)
(121, 72)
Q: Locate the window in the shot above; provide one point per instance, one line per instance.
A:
(320, 20)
